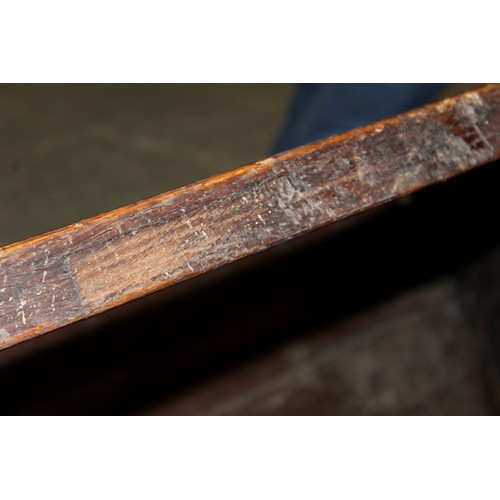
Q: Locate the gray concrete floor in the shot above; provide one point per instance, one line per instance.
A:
(68, 152)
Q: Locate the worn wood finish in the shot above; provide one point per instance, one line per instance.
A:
(155, 355)
(55, 279)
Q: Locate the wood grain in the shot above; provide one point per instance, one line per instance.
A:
(86, 268)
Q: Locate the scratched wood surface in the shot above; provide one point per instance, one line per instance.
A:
(55, 279)
(408, 327)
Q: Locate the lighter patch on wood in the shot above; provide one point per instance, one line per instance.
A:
(4, 334)
(151, 253)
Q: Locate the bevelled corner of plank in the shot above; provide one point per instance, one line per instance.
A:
(52, 280)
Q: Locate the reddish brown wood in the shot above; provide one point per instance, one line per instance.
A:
(86, 268)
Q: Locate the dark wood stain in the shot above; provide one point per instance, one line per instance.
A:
(58, 278)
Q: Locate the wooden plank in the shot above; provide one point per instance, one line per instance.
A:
(86, 268)
(195, 332)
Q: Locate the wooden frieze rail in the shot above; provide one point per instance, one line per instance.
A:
(57, 278)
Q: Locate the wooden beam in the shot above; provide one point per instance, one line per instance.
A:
(55, 279)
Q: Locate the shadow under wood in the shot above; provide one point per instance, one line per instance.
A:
(166, 346)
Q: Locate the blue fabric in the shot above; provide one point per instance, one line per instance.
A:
(321, 110)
